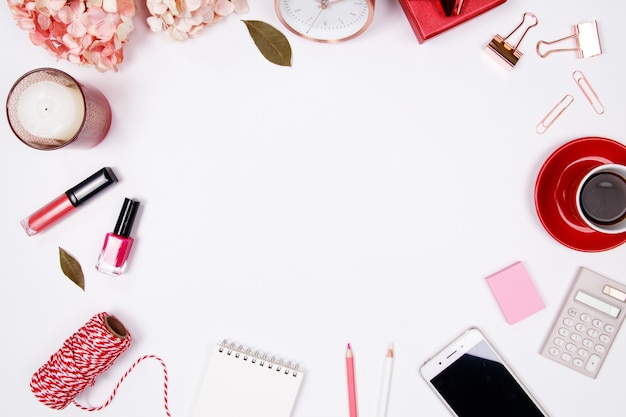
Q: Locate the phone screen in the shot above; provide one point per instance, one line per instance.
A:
(479, 384)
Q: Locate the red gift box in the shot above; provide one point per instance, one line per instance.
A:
(428, 19)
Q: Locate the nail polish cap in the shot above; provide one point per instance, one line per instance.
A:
(126, 218)
(92, 185)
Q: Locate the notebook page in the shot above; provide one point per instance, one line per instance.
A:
(238, 387)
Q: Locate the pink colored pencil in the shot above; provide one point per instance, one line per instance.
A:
(351, 384)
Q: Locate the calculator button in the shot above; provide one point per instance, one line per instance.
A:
(587, 343)
(599, 348)
(585, 317)
(570, 347)
(609, 328)
(572, 312)
(578, 362)
(575, 337)
(597, 323)
(566, 357)
(568, 322)
(554, 351)
(592, 363)
(592, 333)
(558, 341)
(604, 338)
(580, 327)
(583, 353)
(563, 332)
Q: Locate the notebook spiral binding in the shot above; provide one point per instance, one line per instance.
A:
(263, 359)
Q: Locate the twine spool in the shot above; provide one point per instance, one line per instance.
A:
(86, 354)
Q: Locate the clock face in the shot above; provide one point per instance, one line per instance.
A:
(326, 20)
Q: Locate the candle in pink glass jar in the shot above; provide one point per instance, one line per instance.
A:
(47, 109)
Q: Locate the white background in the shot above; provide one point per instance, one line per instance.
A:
(361, 195)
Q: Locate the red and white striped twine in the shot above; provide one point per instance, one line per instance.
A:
(86, 354)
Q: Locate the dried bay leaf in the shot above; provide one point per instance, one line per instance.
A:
(271, 42)
(71, 268)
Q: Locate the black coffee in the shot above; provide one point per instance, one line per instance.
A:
(603, 198)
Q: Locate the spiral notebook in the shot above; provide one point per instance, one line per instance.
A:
(242, 382)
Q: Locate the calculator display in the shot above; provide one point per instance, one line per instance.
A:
(597, 304)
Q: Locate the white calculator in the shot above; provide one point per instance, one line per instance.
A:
(587, 323)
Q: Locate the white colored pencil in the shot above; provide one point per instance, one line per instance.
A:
(385, 386)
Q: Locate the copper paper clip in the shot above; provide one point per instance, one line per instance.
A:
(587, 41)
(502, 51)
(554, 114)
(588, 91)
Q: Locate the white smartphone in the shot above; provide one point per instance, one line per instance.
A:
(472, 379)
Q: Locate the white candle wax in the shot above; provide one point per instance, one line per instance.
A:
(51, 110)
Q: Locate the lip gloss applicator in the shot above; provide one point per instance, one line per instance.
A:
(68, 201)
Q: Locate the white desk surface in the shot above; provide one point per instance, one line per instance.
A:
(361, 195)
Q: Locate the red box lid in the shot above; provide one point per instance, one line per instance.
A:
(428, 19)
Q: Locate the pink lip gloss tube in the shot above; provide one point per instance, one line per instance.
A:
(67, 202)
(117, 244)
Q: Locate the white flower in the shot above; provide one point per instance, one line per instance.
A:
(155, 24)
(241, 6)
(184, 19)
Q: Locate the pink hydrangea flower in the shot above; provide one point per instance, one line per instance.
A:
(184, 19)
(86, 32)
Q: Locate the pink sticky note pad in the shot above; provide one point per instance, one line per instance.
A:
(515, 292)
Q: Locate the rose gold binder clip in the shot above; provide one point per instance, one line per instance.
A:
(554, 114)
(502, 51)
(588, 91)
(587, 41)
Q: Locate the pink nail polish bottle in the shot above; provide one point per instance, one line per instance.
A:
(117, 244)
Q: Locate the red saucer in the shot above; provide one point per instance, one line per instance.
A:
(555, 192)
